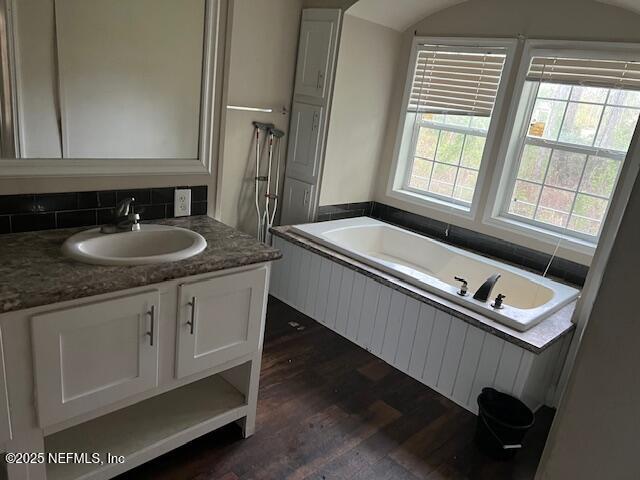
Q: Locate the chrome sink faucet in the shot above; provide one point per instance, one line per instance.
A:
(124, 220)
(484, 292)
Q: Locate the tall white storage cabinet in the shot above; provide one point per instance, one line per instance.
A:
(315, 71)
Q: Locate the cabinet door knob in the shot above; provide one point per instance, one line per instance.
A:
(152, 314)
(192, 322)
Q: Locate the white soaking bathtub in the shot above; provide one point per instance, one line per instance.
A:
(432, 265)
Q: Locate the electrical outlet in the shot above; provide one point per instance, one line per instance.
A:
(182, 202)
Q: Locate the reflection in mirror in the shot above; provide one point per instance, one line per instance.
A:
(108, 79)
(7, 149)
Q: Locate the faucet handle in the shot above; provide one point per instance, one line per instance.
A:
(463, 288)
(497, 303)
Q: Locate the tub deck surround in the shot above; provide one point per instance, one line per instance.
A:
(34, 272)
(536, 339)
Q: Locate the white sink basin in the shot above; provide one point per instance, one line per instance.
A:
(150, 244)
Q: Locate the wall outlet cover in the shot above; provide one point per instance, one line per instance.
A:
(182, 202)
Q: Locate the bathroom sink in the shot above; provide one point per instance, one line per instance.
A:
(150, 244)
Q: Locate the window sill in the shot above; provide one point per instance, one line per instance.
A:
(431, 202)
(546, 236)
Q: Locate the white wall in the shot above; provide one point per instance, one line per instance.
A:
(595, 434)
(568, 19)
(367, 59)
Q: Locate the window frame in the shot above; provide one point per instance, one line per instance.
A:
(411, 159)
(406, 137)
(514, 138)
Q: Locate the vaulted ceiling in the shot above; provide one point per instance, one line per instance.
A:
(398, 14)
(633, 5)
(401, 14)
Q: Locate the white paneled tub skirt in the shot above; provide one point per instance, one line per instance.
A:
(444, 352)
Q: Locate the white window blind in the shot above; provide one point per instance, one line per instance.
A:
(580, 71)
(456, 81)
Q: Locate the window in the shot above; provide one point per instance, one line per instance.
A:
(579, 117)
(452, 92)
(447, 155)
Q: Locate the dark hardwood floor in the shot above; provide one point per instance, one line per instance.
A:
(328, 410)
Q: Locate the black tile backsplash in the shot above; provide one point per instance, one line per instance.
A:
(96, 199)
(142, 195)
(198, 208)
(29, 222)
(199, 194)
(10, 204)
(560, 268)
(30, 212)
(344, 210)
(5, 224)
(55, 202)
(162, 195)
(75, 218)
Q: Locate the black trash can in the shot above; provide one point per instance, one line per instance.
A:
(503, 421)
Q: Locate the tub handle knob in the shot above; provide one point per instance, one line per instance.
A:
(463, 288)
(497, 303)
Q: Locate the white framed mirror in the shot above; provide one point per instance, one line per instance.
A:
(108, 87)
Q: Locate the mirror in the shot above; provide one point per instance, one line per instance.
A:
(123, 86)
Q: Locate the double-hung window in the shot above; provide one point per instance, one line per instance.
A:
(452, 91)
(577, 115)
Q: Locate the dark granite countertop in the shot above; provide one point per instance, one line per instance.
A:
(536, 339)
(34, 272)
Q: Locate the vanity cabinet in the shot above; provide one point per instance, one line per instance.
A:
(92, 355)
(133, 361)
(219, 319)
(135, 373)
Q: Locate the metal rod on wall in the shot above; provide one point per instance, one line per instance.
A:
(282, 111)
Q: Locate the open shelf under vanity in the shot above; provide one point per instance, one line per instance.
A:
(147, 429)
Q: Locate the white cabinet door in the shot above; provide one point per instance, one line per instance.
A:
(316, 51)
(298, 202)
(304, 142)
(93, 355)
(219, 319)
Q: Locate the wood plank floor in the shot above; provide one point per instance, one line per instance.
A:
(329, 410)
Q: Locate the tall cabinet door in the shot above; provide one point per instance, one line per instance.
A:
(304, 141)
(219, 319)
(297, 206)
(317, 42)
(93, 355)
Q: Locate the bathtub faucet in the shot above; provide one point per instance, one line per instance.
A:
(484, 292)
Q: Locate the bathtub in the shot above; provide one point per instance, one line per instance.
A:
(432, 266)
